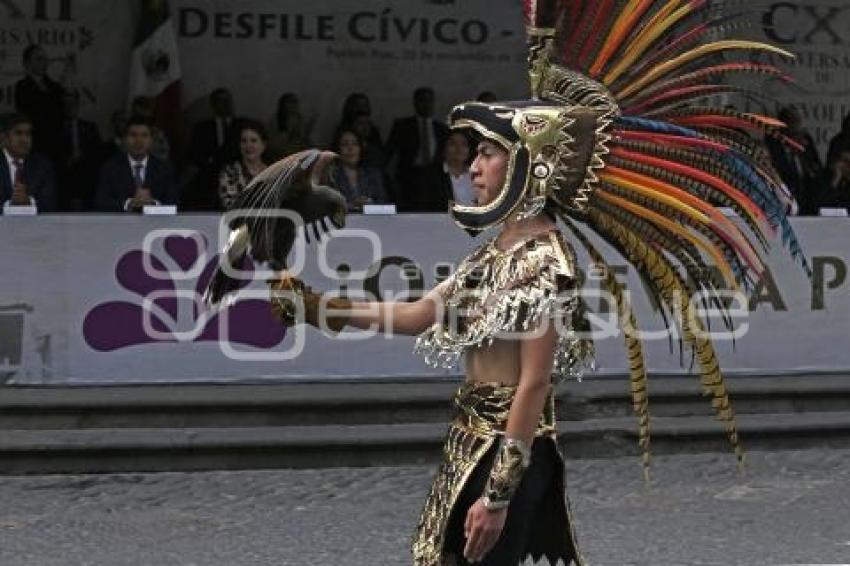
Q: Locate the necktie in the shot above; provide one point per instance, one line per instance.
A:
(219, 132)
(75, 140)
(424, 143)
(19, 171)
(137, 175)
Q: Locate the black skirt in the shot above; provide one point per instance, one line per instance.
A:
(536, 522)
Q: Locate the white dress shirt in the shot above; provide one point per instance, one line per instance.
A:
(13, 172)
(462, 189)
(134, 163)
(221, 126)
(144, 175)
(426, 130)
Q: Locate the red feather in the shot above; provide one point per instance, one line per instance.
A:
(717, 120)
(528, 9)
(672, 94)
(670, 138)
(696, 77)
(693, 173)
(792, 142)
(603, 10)
(583, 13)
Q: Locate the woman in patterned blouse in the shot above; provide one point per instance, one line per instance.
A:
(235, 176)
(358, 183)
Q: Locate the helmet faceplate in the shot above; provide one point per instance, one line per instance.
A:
(552, 148)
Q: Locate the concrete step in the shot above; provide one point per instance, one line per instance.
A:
(376, 402)
(681, 396)
(219, 405)
(204, 448)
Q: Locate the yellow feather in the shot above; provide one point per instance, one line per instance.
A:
(654, 29)
(679, 230)
(666, 199)
(673, 64)
(669, 285)
(693, 212)
(616, 35)
(634, 347)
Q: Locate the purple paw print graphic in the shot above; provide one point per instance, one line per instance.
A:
(168, 285)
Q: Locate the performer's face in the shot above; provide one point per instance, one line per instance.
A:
(488, 172)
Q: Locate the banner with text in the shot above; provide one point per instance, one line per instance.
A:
(815, 31)
(108, 299)
(260, 49)
(324, 49)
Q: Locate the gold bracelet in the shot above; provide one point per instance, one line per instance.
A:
(511, 461)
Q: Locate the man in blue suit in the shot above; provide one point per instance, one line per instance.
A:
(132, 179)
(26, 178)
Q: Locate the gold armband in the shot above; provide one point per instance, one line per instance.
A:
(511, 461)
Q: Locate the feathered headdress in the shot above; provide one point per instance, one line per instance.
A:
(618, 139)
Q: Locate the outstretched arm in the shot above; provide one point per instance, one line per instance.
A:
(399, 317)
(334, 313)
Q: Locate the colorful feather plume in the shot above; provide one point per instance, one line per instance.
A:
(672, 161)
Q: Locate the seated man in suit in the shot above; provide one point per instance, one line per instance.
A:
(835, 191)
(448, 180)
(26, 178)
(131, 180)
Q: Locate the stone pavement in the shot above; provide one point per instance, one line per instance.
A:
(790, 507)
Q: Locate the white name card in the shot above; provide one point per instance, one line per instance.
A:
(20, 210)
(379, 209)
(159, 210)
(834, 212)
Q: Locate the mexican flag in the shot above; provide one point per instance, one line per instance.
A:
(155, 65)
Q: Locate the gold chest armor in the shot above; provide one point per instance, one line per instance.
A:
(504, 293)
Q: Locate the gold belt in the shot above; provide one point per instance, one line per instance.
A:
(483, 409)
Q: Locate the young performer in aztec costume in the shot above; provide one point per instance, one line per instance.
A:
(613, 141)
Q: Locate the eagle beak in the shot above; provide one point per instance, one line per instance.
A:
(338, 219)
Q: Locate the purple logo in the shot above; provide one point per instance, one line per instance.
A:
(167, 306)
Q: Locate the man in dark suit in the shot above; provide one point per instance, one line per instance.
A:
(136, 178)
(416, 142)
(40, 97)
(26, 178)
(211, 145)
(835, 192)
(81, 149)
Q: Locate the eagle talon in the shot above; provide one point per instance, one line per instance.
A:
(282, 292)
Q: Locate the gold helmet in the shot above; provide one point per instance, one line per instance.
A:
(555, 141)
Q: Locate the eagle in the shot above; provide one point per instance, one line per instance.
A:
(266, 217)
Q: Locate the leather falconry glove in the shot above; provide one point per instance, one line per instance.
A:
(318, 310)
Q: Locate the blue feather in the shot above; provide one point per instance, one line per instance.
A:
(754, 185)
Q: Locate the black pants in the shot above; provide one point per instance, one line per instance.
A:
(527, 515)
